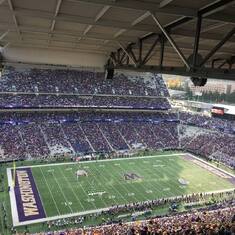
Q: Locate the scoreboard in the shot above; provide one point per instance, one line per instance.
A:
(221, 112)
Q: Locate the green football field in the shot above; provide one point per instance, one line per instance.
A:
(120, 181)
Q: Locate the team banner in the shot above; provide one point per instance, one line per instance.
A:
(29, 204)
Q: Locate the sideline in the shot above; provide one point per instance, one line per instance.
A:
(102, 160)
(14, 211)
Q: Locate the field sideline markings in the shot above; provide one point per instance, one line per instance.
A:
(144, 157)
(115, 188)
(144, 189)
(14, 211)
(205, 162)
(110, 185)
(105, 160)
(40, 196)
(169, 182)
(50, 192)
(62, 193)
(152, 185)
(130, 184)
(101, 209)
(85, 194)
(72, 188)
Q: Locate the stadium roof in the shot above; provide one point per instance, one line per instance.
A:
(136, 28)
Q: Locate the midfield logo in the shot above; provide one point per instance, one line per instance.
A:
(131, 176)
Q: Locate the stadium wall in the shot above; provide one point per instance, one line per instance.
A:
(49, 56)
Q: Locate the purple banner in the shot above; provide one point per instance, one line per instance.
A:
(29, 204)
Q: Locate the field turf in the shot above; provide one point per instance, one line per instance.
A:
(157, 177)
(110, 182)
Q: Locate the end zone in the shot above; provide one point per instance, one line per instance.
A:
(26, 204)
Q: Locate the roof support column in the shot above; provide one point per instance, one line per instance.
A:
(196, 41)
(140, 43)
(162, 41)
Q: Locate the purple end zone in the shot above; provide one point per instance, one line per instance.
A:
(29, 204)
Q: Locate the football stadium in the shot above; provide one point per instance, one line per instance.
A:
(117, 117)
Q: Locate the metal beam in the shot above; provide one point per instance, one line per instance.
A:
(97, 36)
(140, 45)
(86, 20)
(127, 53)
(162, 41)
(102, 12)
(147, 56)
(218, 46)
(172, 10)
(98, 16)
(164, 3)
(57, 8)
(4, 35)
(215, 7)
(146, 6)
(79, 49)
(135, 22)
(171, 41)
(196, 41)
(209, 73)
(14, 17)
(83, 20)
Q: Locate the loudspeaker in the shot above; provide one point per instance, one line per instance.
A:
(109, 69)
(197, 81)
(109, 72)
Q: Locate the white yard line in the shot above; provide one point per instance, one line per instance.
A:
(104, 189)
(101, 209)
(104, 160)
(219, 169)
(13, 200)
(66, 200)
(72, 189)
(50, 192)
(83, 190)
(152, 172)
(114, 188)
(135, 189)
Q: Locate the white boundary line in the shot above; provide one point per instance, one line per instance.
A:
(99, 210)
(103, 160)
(219, 169)
(15, 218)
(14, 211)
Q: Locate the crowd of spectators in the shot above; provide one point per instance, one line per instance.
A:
(43, 134)
(78, 132)
(211, 144)
(81, 82)
(41, 88)
(217, 219)
(207, 122)
(20, 101)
